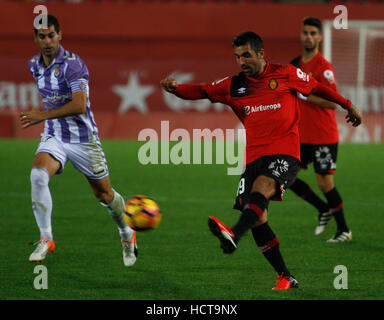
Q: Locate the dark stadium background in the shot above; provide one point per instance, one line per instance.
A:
(123, 41)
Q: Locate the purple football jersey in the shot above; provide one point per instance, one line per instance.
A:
(56, 83)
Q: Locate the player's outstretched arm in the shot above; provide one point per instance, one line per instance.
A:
(184, 91)
(78, 105)
(354, 116)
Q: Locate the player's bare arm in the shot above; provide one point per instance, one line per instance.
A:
(77, 105)
(354, 116)
(320, 102)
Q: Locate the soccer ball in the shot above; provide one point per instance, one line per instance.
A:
(142, 213)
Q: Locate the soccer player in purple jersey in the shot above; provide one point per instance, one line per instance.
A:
(70, 133)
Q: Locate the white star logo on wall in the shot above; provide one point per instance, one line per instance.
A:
(133, 94)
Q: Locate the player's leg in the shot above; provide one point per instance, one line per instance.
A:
(268, 244)
(114, 203)
(43, 168)
(90, 160)
(254, 210)
(304, 191)
(277, 172)
(254, 204)
(325, 167)
(335, 202)
(253, 207)
(263, 234)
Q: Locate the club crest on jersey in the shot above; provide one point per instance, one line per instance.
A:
(310, 73)
(273, 84)
(57, 72)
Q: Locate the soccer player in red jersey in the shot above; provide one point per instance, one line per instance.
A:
(263, 96)
(319, 135)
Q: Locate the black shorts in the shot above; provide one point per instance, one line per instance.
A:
(323, 156)
(282, 168)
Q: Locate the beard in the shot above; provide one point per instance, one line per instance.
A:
(310, 48)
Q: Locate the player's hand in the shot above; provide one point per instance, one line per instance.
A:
(169, 84)
(354, 116)
(31, 117)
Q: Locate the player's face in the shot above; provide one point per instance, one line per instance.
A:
(48, 41)
(310, 37)
(250, 62)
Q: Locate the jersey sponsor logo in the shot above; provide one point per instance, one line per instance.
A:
(324, 158)
(273, 84)
(302, 75)
(249, 109)
(56, 98)
(328, 74)
(278, 167)
(323, 155)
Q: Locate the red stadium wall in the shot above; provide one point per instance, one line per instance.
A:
(130, 46)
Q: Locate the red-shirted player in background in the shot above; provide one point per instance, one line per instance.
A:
(263, 96)
(319, 135)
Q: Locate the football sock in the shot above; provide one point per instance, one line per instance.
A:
(252, 211)
(116, 210)
(336, 204)
(41, 201)
(268, 244)
(304, 191)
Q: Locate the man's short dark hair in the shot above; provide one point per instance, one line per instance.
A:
(310, 21)
(52, 21)
(248, 37)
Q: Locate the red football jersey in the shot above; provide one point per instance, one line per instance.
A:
(318, 125)
(267, 106)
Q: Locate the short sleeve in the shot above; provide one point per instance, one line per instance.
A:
(76, 75)
(300, 81)
(32, 66)
(218, 91)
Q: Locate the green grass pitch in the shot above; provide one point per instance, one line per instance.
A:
(181, 259)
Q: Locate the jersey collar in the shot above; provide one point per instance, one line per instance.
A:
(316, 57)
(58, 59)
(266, 70)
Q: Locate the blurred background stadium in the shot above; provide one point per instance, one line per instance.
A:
(129, 46)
